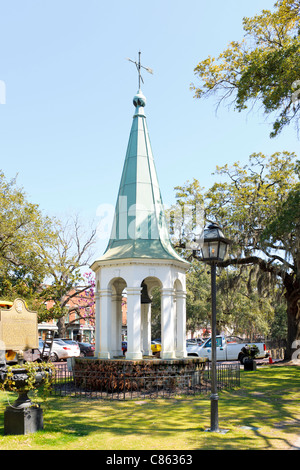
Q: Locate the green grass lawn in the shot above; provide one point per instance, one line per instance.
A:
(263, 414)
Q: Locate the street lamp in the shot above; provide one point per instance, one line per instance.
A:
(214, 249)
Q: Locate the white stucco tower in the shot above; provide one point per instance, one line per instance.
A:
(139, 254)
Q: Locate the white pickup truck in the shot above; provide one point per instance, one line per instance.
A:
(227, 349)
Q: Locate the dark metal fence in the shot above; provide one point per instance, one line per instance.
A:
(92, 384)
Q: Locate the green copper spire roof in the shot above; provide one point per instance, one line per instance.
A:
(139, 228)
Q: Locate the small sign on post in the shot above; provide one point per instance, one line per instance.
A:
(19, 332)
(18, 327)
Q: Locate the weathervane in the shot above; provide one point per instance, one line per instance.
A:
(139, 66)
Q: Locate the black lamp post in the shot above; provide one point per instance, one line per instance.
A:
(214, 249)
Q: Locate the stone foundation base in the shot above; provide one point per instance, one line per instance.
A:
(123, 374)
(23, 421)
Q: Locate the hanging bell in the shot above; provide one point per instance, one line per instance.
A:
(145, 299)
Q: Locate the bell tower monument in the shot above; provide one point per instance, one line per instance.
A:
(139, 257)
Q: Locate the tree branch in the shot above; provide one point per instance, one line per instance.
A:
(263, 264)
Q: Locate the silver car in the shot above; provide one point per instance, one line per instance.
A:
(73, 345)
(60, 350)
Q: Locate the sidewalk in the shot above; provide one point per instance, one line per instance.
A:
(296, 445)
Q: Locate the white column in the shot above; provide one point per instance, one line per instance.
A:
(116, 325)
(167, 323)
(97, 323)
(146, 329)
(134, 323)
(119, 326)
(181, 324)
(105, 324)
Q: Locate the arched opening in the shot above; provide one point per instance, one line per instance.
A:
(149, 286)
(152, 308)
(163, 321)
(118, 315)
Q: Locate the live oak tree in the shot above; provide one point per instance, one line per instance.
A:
(263, 68)
(246, 301)
(42, 258)
(283, 231)
(23, 228)
(258, 207)
(198, 297)
(251, 206)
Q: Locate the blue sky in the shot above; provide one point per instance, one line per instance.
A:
(65, 125)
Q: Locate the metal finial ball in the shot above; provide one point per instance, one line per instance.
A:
(139, 99)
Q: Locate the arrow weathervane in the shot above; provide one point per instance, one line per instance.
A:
(139, 66)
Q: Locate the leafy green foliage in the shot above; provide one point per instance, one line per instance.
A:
(40, 258)
(246, 301)
(21, 226)
(258, 207)
(23, 229)
(250, 198)
(264, 67)
(198, 299)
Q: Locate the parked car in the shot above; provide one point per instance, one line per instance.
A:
(155, 348)
(226, 351)
(29, 355)
(73, 344)
(60, 350)
(32, 355)
(86, 349)
(194, 342)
